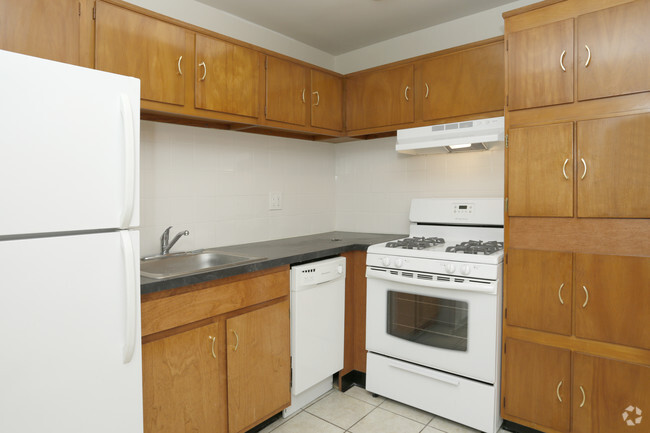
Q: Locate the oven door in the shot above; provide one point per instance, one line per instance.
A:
(444, 325)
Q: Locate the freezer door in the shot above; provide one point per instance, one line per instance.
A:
(68, 320)
(70, 147)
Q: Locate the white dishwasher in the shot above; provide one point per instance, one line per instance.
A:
(317, 329)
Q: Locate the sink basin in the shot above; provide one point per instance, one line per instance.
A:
(194, 262)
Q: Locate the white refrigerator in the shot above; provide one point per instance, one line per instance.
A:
(70, 352)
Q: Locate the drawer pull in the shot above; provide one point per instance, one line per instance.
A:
(205, 70)
(588, 55)
(564, 169)
(303, 96)
(426, 373)
(180, 71)
(586, 296)
(559, 294)
(557, 391)
(406, 93)
(426, 95)
(237, 342)
(214, 339)
(317, 98)
(585, 164)
(562, 60)
(582, 390)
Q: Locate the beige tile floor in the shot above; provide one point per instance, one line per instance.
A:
(357, 411)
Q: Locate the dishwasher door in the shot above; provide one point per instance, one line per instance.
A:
(317, 322)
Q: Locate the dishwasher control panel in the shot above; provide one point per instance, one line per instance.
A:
(318, 272)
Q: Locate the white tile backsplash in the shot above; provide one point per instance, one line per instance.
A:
(215, 183)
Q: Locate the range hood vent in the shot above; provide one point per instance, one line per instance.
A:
(451, 137)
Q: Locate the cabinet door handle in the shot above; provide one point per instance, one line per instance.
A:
(562, 60)
(557, 390)
(205, 70)
(317, 98)
(180, 71)
(426, 95)
(559, 294)
(214, 339)
(303, 96)
(588, 55)
(585, 164)
(584, 397)
(564, 169)
(586, 296)
(406, 93)
(237, 342)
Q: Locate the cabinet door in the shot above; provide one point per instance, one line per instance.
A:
(136, 45)
(184, 382)
(40, 28)
(286, 91)
(610, 290)
(380, 98)
(258, 365)
(609, 396)
(326, 101)
(613, 51)
(227, 77)
(540, 66)
(539, 290)
(540, 171)
(537, 384)
(614, 167)
(463, 83)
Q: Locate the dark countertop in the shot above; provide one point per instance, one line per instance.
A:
(278, 252)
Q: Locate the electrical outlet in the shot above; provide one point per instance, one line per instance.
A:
(275, 200)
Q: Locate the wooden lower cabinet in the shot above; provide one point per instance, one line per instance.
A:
(537, 384)
(259, 365)
(184, 376)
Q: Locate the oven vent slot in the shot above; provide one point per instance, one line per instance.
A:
(439, 278)
(407, 274)
(425, 277)
(394, 272)
(459, 280)
(479, 281)
(378, 269)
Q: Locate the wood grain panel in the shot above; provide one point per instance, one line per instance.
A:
(613, 299)
(539, 290)
(259, 365)
(530, 384)
(41, 28)
(467, 82)
(133, 44)
(535, 76)
(538, 158)
(619, 62)
(287, 95)
(184, 384)
(231, 77)
(326, 101)
(617, 181)
(610, 387)
(191, 306)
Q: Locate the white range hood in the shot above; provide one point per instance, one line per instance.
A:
(451, 137)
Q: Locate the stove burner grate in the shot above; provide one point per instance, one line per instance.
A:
(416, 243)
(476, 247)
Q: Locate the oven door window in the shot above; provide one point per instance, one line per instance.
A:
(427, 320)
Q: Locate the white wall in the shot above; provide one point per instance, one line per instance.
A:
(216, 184)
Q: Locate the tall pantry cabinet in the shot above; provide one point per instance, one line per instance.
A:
(576, 333)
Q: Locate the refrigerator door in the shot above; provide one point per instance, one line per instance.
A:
(70, 147)
(69, 317)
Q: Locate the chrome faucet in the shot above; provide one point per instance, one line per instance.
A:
(165, 245)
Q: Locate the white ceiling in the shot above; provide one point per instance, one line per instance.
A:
(340, 26)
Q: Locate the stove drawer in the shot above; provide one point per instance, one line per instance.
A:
(435, 392)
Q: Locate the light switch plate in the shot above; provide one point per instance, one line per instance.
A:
(275, 200)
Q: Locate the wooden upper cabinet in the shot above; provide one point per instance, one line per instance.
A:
(192, 365)
(614, 167)
(133, 44)
(41, 28)
(540, 171)
(613, 51)
(259, 376)
(540, 66)
(227, 77)
(609, 396)
(539, 290)
(613, 299)
(326, 101)
(380, 98)
(463, 83)
(286, 91)
(537, 384)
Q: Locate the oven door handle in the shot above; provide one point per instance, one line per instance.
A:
(468, 287)
(425, 372)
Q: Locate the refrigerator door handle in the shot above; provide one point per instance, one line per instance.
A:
(131, 294)
(129, 160)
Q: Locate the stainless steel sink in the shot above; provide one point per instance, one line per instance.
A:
(193, 262)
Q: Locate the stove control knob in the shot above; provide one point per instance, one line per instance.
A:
(386, 261)
(465, 270)
(399, 262)
(450, 267)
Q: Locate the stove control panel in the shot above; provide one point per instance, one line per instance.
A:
(463, 209)
(444, 267)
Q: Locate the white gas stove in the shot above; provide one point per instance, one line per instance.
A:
(434, 311)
